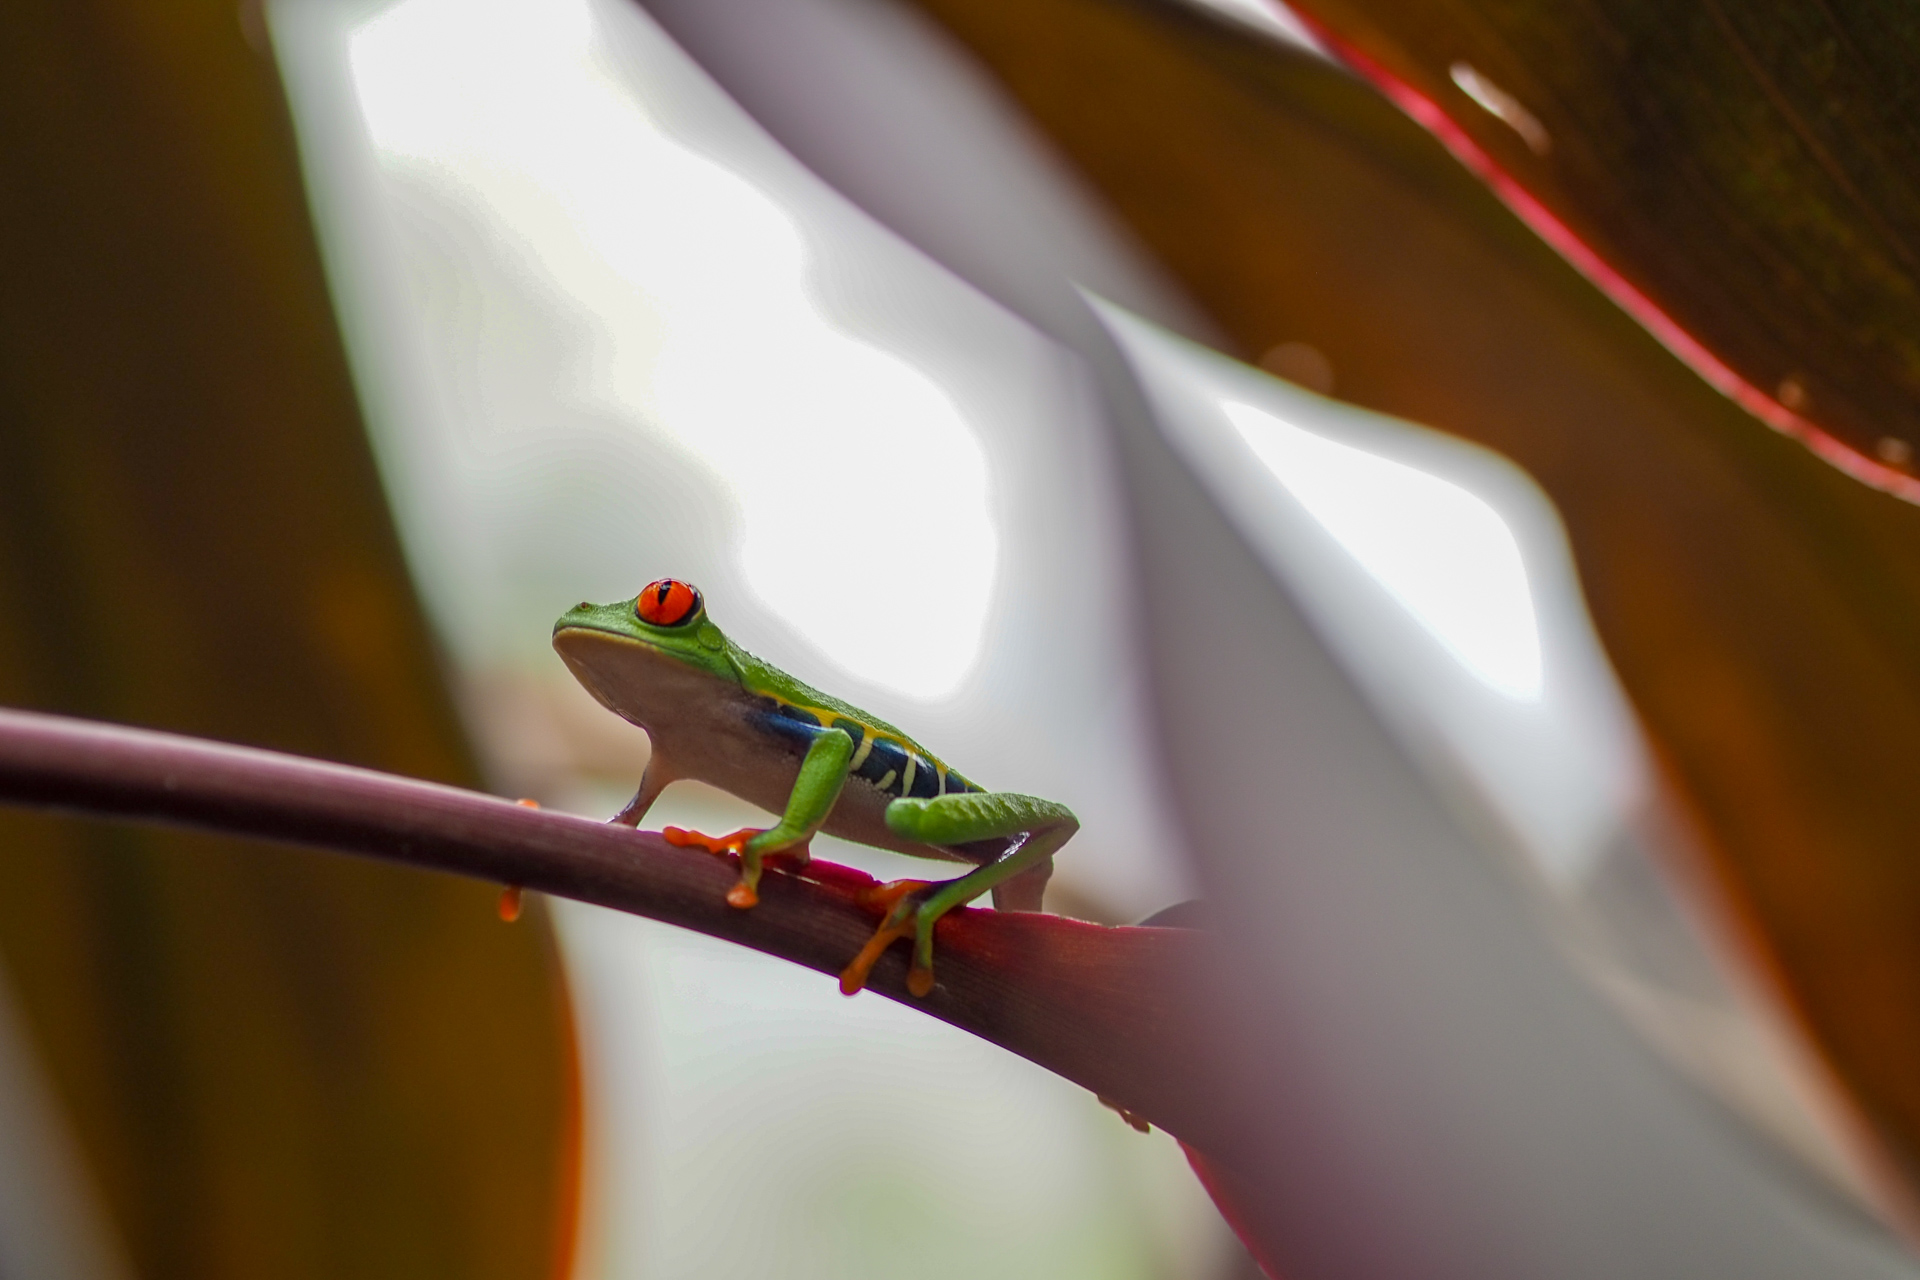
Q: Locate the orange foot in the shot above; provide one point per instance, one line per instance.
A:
(897, 921)
(742, 895)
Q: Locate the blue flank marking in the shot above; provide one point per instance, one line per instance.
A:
(798, 728)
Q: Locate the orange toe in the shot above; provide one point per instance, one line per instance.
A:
(888, 899)
(742, 895)
(855, 975)
(684, 839)
(887, 896)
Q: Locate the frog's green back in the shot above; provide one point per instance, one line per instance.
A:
(800, 704)
(759, 676)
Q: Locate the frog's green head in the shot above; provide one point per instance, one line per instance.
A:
(633, 652)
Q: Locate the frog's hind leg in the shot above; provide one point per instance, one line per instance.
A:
(914, 906)
(1025, 891)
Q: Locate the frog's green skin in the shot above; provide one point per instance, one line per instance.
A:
(719, 715)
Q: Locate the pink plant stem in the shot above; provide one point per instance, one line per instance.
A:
(1107, 1008)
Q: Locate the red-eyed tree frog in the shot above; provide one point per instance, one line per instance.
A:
(716, 714)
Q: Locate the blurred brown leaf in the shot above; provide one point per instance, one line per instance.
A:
(275, 1063)
(1752, 171)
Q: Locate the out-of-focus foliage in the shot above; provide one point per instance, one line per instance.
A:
(1760, 606)
(1753, 168)
(275, 1063)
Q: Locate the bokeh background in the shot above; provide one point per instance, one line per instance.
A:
(346, 344)
(551, 241)
(613, 333)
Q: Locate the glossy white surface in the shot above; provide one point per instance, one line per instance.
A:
(1439, 574)
(1272, 18)
(1445, 555)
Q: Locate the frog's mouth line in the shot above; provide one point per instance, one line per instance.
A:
(587, 628)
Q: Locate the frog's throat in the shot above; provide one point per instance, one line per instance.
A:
(641, 682)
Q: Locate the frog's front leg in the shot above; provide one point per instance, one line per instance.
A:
(658, 774)
(914, 906)
(822, 774)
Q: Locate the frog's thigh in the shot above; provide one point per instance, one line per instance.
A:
(1019, 878)
(976, 815)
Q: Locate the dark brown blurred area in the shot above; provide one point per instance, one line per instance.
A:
(1762, 609)
(1752, 168)
(276, 1063)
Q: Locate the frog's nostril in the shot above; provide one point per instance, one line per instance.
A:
(584, 604)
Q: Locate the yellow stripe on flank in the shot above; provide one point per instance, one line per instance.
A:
(828, 719)
(906, 783)
(886, 781)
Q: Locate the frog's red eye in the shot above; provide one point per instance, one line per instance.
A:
(667, 603)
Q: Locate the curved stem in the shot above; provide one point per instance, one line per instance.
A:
(1108, 1008)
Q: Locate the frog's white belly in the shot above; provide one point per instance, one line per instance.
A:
(730, 750)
